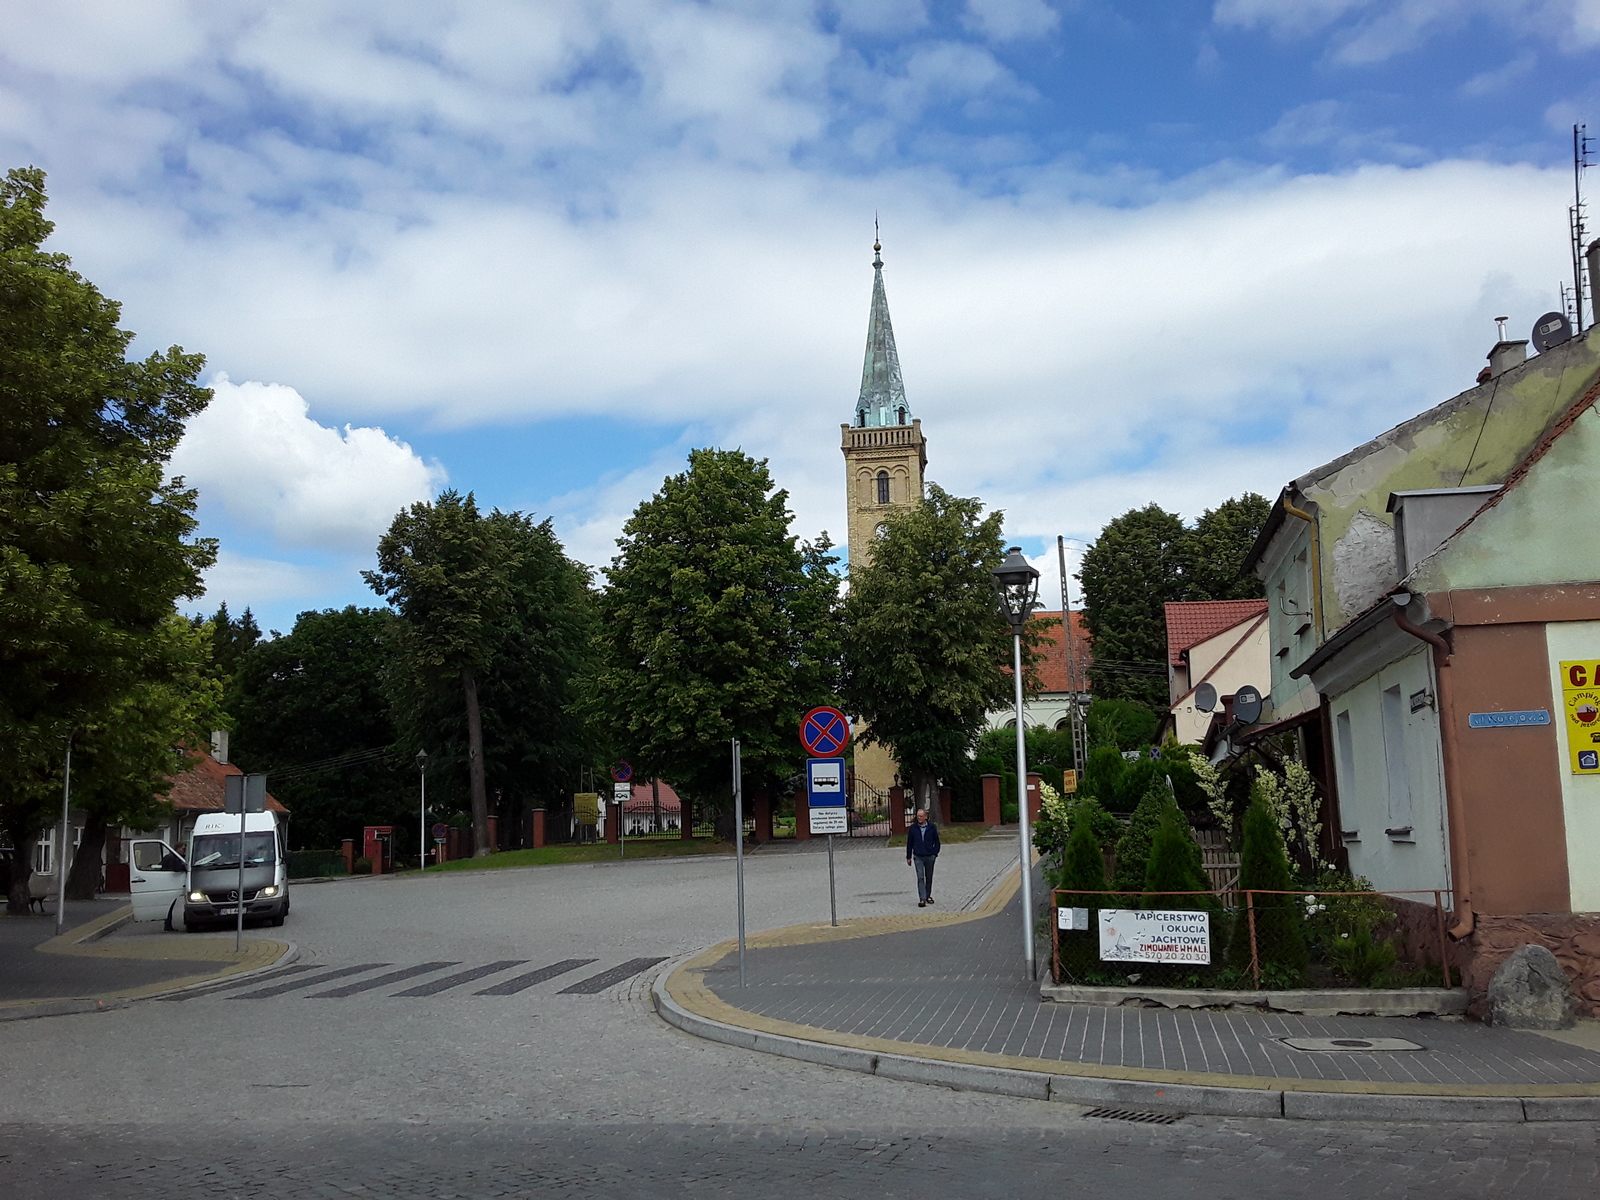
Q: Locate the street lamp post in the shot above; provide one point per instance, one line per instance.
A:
(1016, 585)
(422, 811)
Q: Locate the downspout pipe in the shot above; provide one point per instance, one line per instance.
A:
(1465, 920)
(1316, 563)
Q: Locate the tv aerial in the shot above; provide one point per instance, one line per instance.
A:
(1205, 697)
(1550, 330)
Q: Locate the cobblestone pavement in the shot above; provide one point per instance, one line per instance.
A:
(960, 987)
(550, 1092)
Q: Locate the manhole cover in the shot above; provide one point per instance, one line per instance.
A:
(1350, 1044)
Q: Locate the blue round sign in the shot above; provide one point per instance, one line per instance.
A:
(824, 732)
(622, 772)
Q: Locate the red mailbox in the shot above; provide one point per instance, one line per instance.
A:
(377, 846)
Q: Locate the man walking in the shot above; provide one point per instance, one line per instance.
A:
(922, 848)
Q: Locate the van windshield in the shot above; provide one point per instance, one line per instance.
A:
(214, 850)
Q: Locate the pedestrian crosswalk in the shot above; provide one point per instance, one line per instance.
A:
(309, 981)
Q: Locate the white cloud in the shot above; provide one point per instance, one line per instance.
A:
(242, 582)
(257, 453)
(1008, 20)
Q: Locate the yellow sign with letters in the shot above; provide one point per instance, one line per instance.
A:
(1580, 701)
(586, 807)
(1069, 782)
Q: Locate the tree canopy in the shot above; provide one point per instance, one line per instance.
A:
(926, 651)
(96, 544)
(716, 623)
(1142, 560)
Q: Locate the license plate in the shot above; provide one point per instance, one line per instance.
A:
(227, 912)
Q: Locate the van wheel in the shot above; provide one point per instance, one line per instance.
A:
(167, 924)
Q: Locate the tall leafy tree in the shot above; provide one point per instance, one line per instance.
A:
(313, 696)
(716, 623)
(535, 738)
(1145, 558)
(926, 650)
(95, 542)
(124, 761)
(1218, 544)
(231, 638)
(444, 570)
(1135, 566)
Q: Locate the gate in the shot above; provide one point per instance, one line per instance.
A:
(868, 811)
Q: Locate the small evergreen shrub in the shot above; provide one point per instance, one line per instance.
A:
(1082, 870)
(1133, 849)
(1279, 919)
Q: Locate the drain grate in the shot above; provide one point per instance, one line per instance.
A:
(1133, 1114)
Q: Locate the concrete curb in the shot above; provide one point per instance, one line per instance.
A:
(1311, 1002)
(1155, 1096)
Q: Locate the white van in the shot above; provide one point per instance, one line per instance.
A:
(205, 889)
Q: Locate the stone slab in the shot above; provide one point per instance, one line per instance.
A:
(965, 1077)
(1371, 1106)
(1167, 1097)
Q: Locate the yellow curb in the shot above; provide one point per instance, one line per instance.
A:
(686, 986)
(255, 955)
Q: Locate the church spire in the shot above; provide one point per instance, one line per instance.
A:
(883, 395)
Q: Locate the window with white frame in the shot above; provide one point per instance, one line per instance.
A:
(44, 854)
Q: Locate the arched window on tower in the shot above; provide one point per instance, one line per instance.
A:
(902, 411)
(883, 487)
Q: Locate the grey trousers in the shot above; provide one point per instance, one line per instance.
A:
(925, 875)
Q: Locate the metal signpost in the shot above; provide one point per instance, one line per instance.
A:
(422, 810)
(440, 832)
(66, 840)
(243, 794)
(825, 732)
(621, 793)
(738, 846)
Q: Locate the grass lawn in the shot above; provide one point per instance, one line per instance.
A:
(602, 852)
(949, 834)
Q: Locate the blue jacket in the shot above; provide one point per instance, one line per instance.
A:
(922, 840)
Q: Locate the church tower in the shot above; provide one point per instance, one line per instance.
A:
(885, 453)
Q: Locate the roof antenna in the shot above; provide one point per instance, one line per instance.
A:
(1577, 228)
(877, 244)
(1500, 322)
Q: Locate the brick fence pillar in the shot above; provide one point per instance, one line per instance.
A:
(538, 828)
(763, 816)
(802, 816)
(991, 799)
(1033, 795)
(897, 810)
(945, 801)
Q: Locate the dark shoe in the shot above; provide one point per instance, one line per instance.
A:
(922, 903)
(930, 899)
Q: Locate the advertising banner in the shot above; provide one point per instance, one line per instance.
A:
(1129, 935)
(1580, 701)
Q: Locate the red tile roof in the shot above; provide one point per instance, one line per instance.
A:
(201, 789)
(1191, 622)
(642, 801)
(1053, 672)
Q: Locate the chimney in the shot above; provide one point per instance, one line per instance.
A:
(1506, 354)
(219, 745)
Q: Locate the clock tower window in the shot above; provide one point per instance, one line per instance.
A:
(883, 487)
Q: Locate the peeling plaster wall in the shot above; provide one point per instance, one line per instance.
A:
(1364, 562)
(1478, 436)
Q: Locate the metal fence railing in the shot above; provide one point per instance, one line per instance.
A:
(1251, 938)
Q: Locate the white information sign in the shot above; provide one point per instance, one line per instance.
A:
(621, 793)
(1072, 918)
(1129, 935)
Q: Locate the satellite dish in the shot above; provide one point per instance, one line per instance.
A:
(1550, 330)
(1247, 705)
(1205, 697)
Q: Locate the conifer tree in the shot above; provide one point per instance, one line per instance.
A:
(1279, 919)
(1083, 870)
(1133, 849)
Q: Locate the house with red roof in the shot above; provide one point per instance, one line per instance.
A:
(1214, 647)
(1064, 673)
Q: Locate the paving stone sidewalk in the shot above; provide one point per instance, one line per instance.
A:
(961, 988)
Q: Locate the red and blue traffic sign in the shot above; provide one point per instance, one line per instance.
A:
(824, 732)
(622, 772)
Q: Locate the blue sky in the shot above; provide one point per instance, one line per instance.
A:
(1139, 251)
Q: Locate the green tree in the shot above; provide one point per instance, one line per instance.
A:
(1133, 568)
(716, 623)
(535, 737)
(318, 694)
(1121, 724)
(1083, 872)
(1133, 849)
(1141, 561)
(231, 638)
(124, 762)
(95, 542)
(926, 649)
(1217, 546)
(446, 573)
(1175, 865)
(1279, 919)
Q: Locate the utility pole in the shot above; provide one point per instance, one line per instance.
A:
(1080, 732)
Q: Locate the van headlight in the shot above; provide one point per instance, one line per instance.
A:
(197, 897)
(267, 892)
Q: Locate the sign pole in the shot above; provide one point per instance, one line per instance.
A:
(238, 926)
(66, 841)
(738, 846)
(833, 904)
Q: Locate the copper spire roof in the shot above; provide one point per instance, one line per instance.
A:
(883, 395)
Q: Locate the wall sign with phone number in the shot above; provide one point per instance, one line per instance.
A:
(1580, 701)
